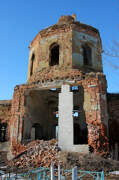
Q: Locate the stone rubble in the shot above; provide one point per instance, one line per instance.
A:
(35, 154)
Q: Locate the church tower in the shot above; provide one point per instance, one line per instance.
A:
(65, 93)
(66, 47)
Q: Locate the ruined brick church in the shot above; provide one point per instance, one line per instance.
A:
(65, 96)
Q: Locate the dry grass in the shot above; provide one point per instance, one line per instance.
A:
(88, 162)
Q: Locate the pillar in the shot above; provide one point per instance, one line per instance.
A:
(65, 134)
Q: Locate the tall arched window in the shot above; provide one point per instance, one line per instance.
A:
(32, 63)
(87, 55)
(54, 54)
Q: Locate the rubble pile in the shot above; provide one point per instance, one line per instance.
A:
(35, 154)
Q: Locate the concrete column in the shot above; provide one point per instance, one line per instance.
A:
(65, 133)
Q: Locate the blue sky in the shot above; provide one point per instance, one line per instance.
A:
(21, 20)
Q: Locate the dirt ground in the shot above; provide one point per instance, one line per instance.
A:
(87, 162)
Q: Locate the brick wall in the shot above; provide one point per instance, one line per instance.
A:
(95, 107)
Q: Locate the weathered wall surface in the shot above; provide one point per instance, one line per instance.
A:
(69, 37)
(5, 114)
(78, 40)
(41, 49)
(95, 108)
(113, 110)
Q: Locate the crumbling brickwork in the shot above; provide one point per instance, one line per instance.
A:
(70, 37)
(96, 113)
(95, 108)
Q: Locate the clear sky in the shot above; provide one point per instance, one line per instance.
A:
(21, 20)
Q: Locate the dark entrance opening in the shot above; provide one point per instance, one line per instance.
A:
(79, 119)
(3, 131)
(37, 133)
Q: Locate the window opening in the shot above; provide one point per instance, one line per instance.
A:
(87, 55)
(75, 88)
(32, 64)
(57, 115)
(54, 55)
(76, 113)
(53, 89)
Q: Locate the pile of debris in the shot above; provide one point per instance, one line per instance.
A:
(42, 153)
(35, 154)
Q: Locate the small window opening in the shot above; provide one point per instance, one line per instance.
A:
(87, 55)
(56, 114)
(76, 113)
(75, 88)
(32, 64)
(3, 132)
(54, 55)
(53, 89)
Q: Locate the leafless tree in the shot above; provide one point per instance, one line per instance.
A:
(112, 53)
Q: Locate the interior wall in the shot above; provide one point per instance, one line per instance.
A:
(40, 121)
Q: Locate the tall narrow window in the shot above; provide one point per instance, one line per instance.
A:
(87, 60)
(54, 54)
(32, 62)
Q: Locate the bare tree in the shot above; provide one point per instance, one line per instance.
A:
(112, 54)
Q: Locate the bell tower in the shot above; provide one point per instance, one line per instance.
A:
(65, 78)
(68, 46)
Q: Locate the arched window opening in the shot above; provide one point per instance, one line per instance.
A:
(54, 55)
(32, 63)
(87, 60)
